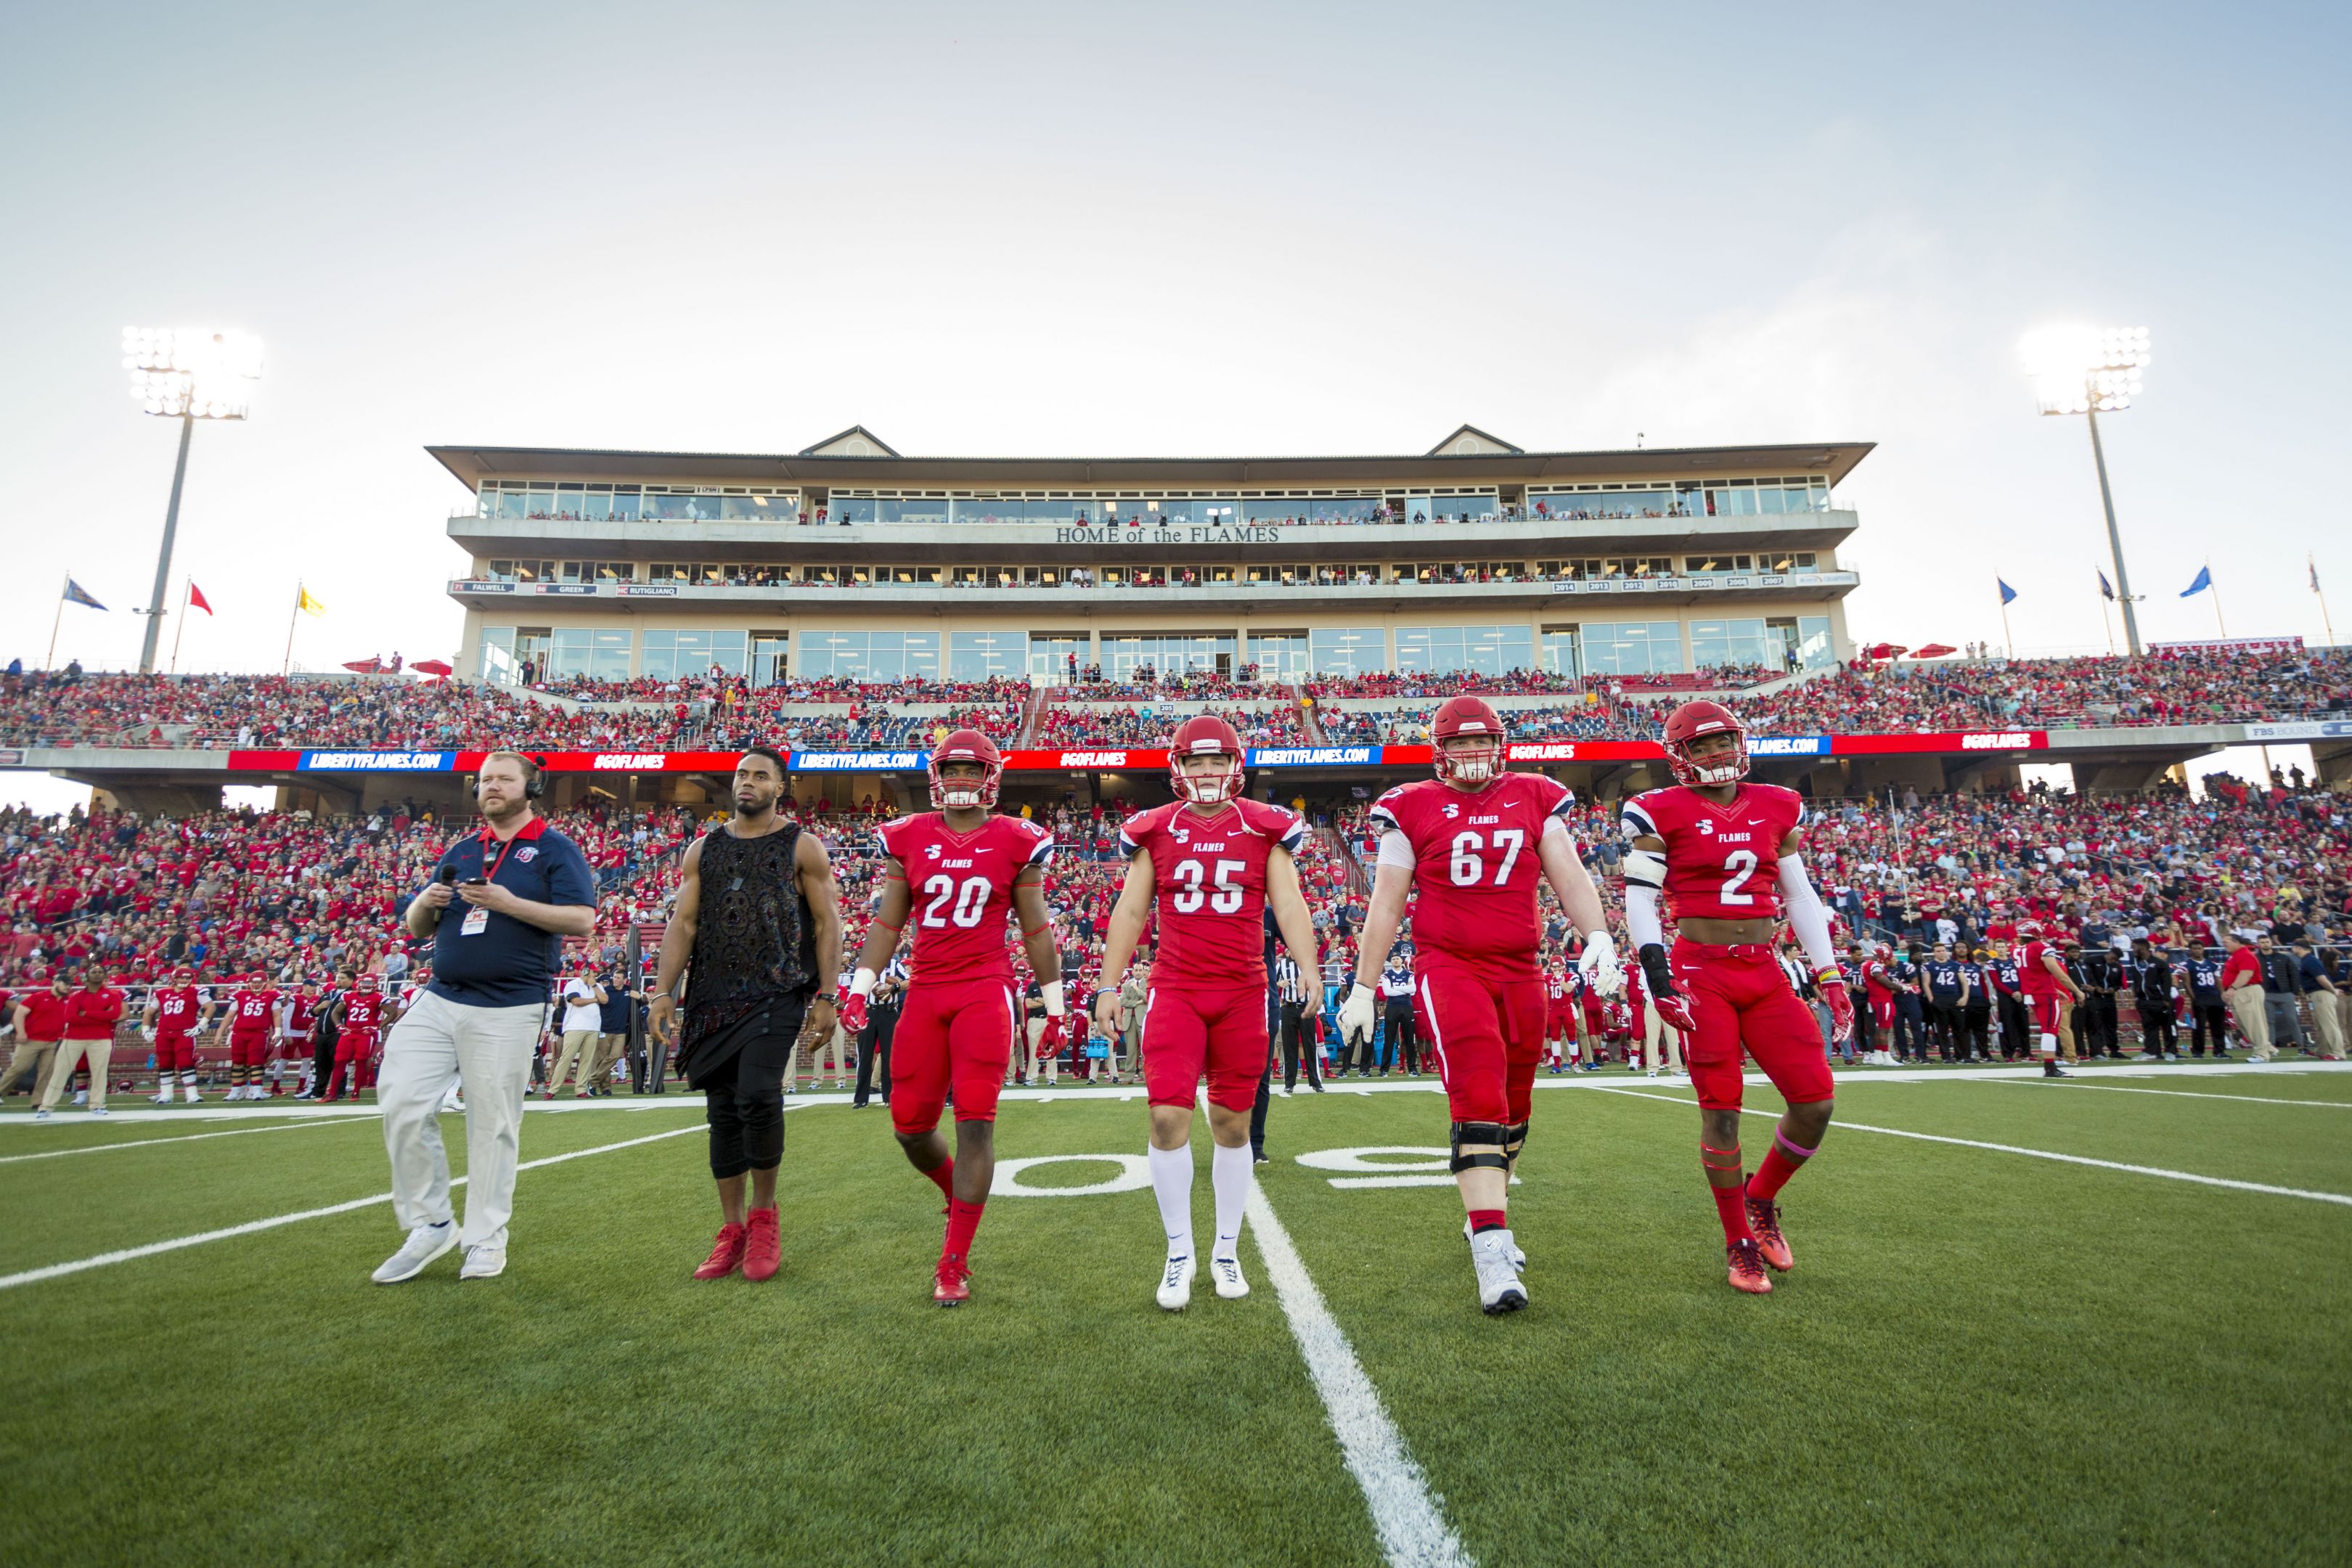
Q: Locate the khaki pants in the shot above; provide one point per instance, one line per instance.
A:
(2066, 1029)
(580, 1047)
(487, 1051)
(62, 1072)
(1653, 1027)
(837, 1044)
(30, 1059)
(2327, 1023)
(1028, 1063)
(608, 1051)
(2246, 1006)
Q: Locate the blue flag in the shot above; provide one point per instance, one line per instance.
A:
(2106, 589)
(2007, 592)
(2204, 581)
(77, 595)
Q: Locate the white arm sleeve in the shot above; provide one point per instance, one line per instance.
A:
(1806, 915)
(1396, 850)
(1641, 916)
(1554, 827)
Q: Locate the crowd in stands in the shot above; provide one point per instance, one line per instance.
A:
(1269, 724)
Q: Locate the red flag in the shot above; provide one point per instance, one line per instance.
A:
(197, 600)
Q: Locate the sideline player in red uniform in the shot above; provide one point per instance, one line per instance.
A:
(1475, 840)
(252, 1013)
(1704, 841)
(959, 869)
(357, 1041)
(2042, 978)
(1211, 863)
(174, 1015)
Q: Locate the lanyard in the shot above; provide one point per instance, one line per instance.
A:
(491, 873)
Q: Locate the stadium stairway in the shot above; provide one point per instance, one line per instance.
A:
(1032, 713)
(1359, 881)
(1309, 722)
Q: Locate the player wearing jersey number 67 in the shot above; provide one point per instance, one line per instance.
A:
(1726, 851)
(1476, 840)
(1213, 863)
(960, 870)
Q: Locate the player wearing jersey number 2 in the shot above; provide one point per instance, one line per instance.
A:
(1726, 851)
(1475, 841)
(959, 871)
(1212, 863)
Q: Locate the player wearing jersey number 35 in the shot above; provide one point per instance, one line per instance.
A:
(1212, 864)
(960, 870)
(1476, 840)
(1724, 850)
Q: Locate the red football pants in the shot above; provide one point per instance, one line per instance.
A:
(1487, 1036)
(1740, 996)
(1188, 1033)
(959, 1032)
(174, 1052)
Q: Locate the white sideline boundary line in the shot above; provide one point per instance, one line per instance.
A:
(2342, 1198)
(251, 1227)
(151, 1142)
(2190, 1094)
(1408, 1520)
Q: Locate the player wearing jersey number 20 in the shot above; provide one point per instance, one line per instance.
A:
(1476, 841)
(1704, 842)
(1213, 863)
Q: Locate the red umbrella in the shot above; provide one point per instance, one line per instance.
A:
(1935, 651)
(432, 666)
(1884, 651)
(364, 665)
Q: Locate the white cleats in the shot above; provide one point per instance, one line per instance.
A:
(1518, 1258)
(163, 1098)
(1227, 1273)
(42, 1114)
(81, 1097)
(1499, 1289)
(100, 1111)
(484, 1262)
(1653, 1072)
(192, 1095)
(424, 1244)
(1176, 1284)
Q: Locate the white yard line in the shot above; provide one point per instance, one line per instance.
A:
(1410, 1525)
(2342, 1198)
(151, 1142)
(2072, 1084)
(127, 1254)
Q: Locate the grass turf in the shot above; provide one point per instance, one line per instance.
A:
(1980, 1357)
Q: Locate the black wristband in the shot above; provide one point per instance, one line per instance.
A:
(1657, 970)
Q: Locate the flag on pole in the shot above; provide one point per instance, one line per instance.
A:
(2204, 581)
(306, 601)
(2314, 572)
(2106, 589)
(197, 600)
(77, 595)
(2007, 592)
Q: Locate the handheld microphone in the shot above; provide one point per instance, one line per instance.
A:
(448, 876)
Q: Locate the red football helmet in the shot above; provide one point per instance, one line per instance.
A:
(1205, 735)
(1459, 717)
(965, 746)
(1689, 723)
(2028, 930)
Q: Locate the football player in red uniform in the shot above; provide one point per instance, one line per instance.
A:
(174, 1015)
(1708, 841)
(1559, 1015)
(252, 1014)
(1475, 840)
(1211, 863)
(2042, 979)
(357, 1041)
(960, 870)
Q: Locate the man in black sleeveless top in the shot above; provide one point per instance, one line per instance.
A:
(758, 928)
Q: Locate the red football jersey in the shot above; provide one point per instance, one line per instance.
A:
(1475, 866)
(963, 890)
(177, 1009)
(300, 1014)
(253, 1010)
(2033, 978)
(1210, 873)
(1722, 861)
(364, 1013)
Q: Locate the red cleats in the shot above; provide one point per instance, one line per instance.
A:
(1748, 1269)
(763, 1246)
(725, 1257)
(1764, 1219)
(951, 1282)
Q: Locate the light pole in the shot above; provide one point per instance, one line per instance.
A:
(2093, 371)
(186, 373)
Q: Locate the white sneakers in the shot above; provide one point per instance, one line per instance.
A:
(1227, 1273)
(484, 1262)
(1499, 1289)
(424, 1244)
(1518, 1257)
(1176, 1284)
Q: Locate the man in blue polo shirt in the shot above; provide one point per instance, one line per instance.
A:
(501, 901)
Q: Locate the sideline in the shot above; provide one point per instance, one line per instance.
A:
(2342, 1198)
(2191, 1094)
(151, 1142)
(250, 1228)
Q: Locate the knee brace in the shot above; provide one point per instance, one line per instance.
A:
(1480, 1133)
(1514, 1138)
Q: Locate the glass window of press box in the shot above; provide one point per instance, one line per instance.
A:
(1628, 648)
(981, 655)
(588, 651)
(1441, 506)
(551, 500)
(1056, 657)
(674, 656)
(1122, 655)
(869, 655)
(1777, 643)
(1280, 656)
(1348, 651)
(1484, 650)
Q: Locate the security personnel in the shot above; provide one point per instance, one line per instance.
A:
(2207, 1014)
(1946, 997)
(2097, 1022)
(2151, 982)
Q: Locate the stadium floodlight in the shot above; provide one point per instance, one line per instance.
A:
(2092, 371)
(186, 373)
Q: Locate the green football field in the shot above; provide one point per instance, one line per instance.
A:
(1984, 1355)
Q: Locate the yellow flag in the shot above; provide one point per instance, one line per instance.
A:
(306, 603)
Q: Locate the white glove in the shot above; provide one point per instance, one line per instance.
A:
(1599, 964)
(146, 1033)
(1356, 1014)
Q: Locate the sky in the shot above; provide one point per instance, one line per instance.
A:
(1045, 229)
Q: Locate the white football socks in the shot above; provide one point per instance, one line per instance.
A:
(1230, 1174)
(1171, 1184)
